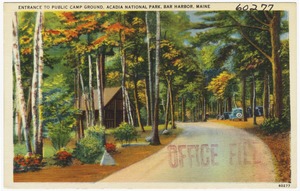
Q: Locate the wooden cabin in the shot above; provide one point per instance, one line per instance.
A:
(113, 106)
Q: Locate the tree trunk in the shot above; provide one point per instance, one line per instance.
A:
(182, 109)
(19, 127)
(244, 98)
(266, 96)
(123, 63)
(128, 108)
(36, 96)
(91, 93)
(34, 89)
(149, 67)
(147, 102)
(276, 67)
(19, 85)
(78, 102)
(172, 106)
(102, 80)
(167, 106)
(229, 104)
(220, 107)
(29, 112)
(85, 102)
(254, 99)
(251, 96)
(155, 138)
(39, 148)
(137, 109)
(204, 110)
(99, 63)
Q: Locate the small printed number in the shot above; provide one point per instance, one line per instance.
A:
(284, 185)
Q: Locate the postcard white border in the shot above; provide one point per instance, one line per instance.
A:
(9, 8)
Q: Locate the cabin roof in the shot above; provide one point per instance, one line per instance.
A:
(109, 94)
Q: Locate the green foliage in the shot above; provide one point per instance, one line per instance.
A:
(96, 131)
(274, 125)
(59, 135)
(286, 116)
(125, 132)
(90, 148)
(59, 112)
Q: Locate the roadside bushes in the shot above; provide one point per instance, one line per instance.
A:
(26, 163)
(63, 158)
(274, 125)
(90, 148)
(125, 133)
(60, 135)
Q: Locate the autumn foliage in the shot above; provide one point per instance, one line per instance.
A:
(219, 84)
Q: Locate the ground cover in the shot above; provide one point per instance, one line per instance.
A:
(79, 172)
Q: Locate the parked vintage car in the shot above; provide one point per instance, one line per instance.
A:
(237, 113)
(226, 115)
(259, 111)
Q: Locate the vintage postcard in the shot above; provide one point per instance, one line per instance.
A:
(150, 95)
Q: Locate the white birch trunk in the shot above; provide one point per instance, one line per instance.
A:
(34, 90)
(40, 82)
(19, 85)
(123, 62)
(149, 67)
(37, 80)
(129, 110)
(91, 97)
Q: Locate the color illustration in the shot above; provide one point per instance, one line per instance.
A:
(148, 95)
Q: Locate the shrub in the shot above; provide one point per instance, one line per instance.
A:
(274, 125)
(95, 131)
(58, 110)
(63, 158)
(59, 135)
(26, 163)
(90, 148)
(110, 147)
(125, 132)
(286, 115)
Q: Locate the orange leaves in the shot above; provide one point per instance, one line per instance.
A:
(60, 36)
(69, 17)
(116, 27)
(70, 34)
(99, 40)
(97, 43)
(26, 51)
(53, 32)
(87, 26)
(218, 84)
(89, 18)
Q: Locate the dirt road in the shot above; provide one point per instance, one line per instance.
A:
(204, 152)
